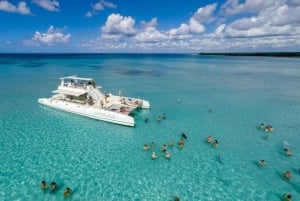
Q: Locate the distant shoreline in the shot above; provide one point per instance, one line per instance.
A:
(256, 54)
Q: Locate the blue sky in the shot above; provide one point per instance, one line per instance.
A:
(159, 26)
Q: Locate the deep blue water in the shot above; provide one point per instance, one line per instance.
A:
(225, 97)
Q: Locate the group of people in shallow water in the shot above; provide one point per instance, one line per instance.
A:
(158, 118)
(53, 188)
(287, 175)
(164, 147)
(215, 143)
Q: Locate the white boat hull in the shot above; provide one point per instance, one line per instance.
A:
(88, 111)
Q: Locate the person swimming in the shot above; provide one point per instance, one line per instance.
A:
(152, 145)
(262, 163)
(176, 198)
(215, 143)
(146, 147)
(153, 156)
(43, 185)
(181, 143)
(168, 155)
(208, 139)
(164, 148)
(287, 175)
(220, 158)
(53, 186)
(269, 128)
(287, 197)
(183, 135)
(287, 151)
(67, 192)
(261, 126)
(146, 120)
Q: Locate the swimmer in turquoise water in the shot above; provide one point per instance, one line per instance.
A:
(287, 197)
(43, 185)
(67, 192)
(262, 163)
(220, 158)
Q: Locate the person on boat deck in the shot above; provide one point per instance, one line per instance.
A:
(43, 185)
(53, 186)
(67, 192)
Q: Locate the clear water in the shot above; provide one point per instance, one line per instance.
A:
(225, 97)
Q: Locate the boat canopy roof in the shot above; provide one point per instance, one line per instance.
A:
(74, 77)
(71, 93)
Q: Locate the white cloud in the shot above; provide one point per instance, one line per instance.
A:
(51, 37)
(233, 7)
(50, 5)
(89, 14)
(205, 14)
(108, 4)
(21, 8)
(202, 15)
(150, 34)
(194, 26)
(119, 25)
(274, 24)
(279, 19)
(182, 32)
(152, 23)
(219, 32)
(99, 6)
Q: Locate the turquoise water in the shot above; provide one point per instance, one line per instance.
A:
(225, 97)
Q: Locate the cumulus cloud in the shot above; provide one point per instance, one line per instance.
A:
(279, 19)
(99, 6)
(21, 8)
(205, 14)
(150, 34)
(50, 5)
(271, 24)
(119, 25)
(51, 37)
(233, 7)
(152, 23)
(195, 24)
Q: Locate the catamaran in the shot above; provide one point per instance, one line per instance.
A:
(82, 96)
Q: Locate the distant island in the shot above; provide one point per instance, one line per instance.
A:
(257, 54)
